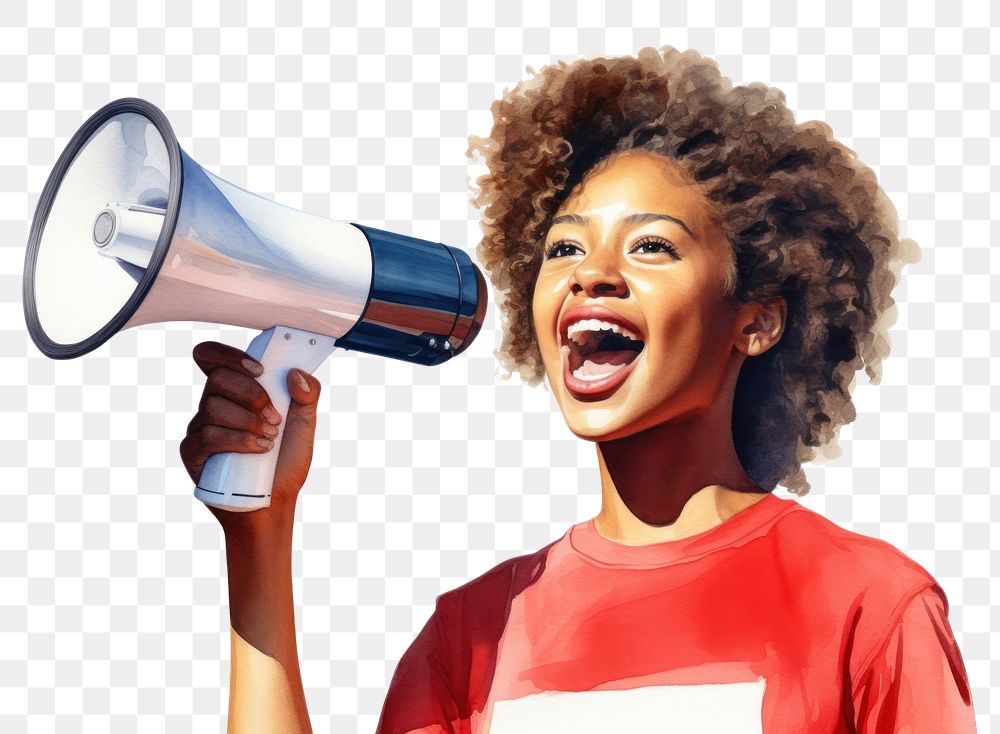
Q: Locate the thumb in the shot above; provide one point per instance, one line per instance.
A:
(297, 440)
(304, 391)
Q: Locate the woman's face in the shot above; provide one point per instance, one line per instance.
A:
(630, 306)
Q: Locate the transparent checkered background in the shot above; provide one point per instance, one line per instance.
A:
(113, 611)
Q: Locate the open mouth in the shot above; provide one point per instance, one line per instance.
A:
(598, 356)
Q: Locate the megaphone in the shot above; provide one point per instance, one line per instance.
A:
(129, 230)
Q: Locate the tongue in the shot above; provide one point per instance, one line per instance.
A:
(604, 363)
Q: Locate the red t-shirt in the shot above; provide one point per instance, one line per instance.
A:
(777, 620)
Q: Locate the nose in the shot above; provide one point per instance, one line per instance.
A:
(598, 275)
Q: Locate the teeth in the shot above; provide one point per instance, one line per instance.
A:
(590, 371)
(579, 331)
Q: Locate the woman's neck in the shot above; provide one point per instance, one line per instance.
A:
(672, 481)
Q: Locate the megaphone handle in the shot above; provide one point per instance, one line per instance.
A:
(242, 482)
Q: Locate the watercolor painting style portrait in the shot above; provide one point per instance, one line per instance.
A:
(698, 279)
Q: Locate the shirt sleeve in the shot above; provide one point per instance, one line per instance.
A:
(916, 681)
(420, 699)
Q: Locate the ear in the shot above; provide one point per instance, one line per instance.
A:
(762, 324)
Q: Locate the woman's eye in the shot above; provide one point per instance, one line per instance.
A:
(650, 247)
(561, 249)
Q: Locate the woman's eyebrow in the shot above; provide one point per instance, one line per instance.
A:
(570, 219)
(632, 220)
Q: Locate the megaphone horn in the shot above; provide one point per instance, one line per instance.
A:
(130, 230)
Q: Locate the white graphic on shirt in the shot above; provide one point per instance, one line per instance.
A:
(727, 708)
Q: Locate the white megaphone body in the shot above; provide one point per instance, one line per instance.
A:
(129, 230)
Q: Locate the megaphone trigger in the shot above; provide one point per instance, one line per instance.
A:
(242, 482)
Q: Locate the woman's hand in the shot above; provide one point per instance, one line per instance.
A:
(236, 414)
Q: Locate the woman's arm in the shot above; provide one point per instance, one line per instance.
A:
(265, 687)
(236, 414)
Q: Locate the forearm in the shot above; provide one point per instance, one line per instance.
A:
(266, 692)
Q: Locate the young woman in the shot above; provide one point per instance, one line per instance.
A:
(699, 278)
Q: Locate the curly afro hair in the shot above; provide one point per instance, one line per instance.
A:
(807, 221)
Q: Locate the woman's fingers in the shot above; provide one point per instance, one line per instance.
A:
(210, 355)
(231, 374)
(235, 413)
(240, 389)
(217, 410)
(209, 439)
